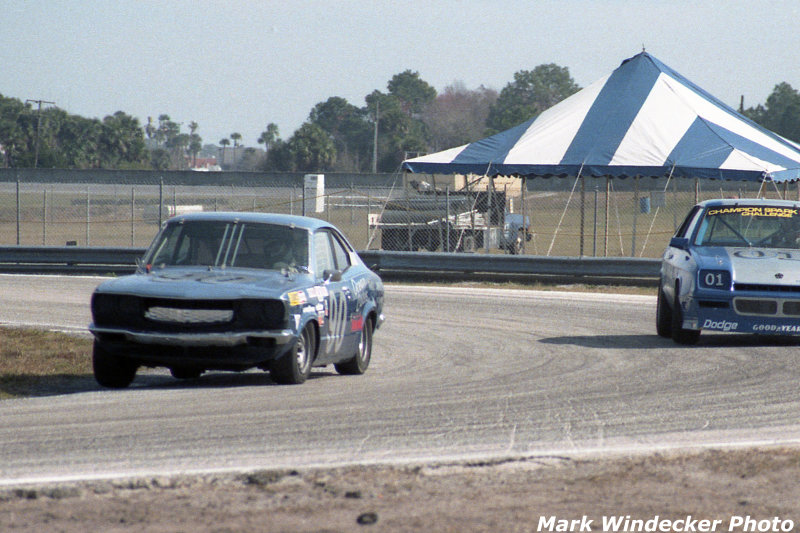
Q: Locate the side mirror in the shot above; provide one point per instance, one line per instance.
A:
(681, 243)
(331, 275)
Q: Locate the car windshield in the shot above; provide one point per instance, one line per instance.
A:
(765, 226)
(230, 244)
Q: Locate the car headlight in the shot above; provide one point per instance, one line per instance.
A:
(715, 279)
(262, 314)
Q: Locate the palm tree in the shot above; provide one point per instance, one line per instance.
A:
(269, 136)
(224, 143)
(236, 137)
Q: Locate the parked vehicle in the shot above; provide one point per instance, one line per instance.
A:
(732, 266)
(453, 222)
(234, 291)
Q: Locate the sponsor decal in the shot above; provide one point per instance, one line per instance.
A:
(318, 292)
(755, 211)
(722, 325)
(297, 298)
(755, 254)
(360, 288)
(337, 317)
(776, 328)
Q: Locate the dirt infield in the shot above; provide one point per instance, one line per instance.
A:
(738, 490)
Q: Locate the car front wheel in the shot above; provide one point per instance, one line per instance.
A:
(294, 367)
(360, 361)
(663, 315)
(111, 371)
(680, 334)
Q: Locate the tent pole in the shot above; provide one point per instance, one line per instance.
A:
(655, 215)
(571, 192)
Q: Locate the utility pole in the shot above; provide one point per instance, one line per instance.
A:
(38, 127)
(375, 138)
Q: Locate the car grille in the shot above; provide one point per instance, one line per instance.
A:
(177, 316)
(188, 316)
(767, 307)
(754, 287)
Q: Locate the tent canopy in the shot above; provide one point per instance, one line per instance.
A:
(644, 119)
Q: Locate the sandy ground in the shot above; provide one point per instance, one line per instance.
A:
(535, 494)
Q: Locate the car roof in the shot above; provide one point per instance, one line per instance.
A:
(253, 218)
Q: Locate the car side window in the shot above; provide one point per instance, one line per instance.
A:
(340, 253)
(323, 255)
(687, 222)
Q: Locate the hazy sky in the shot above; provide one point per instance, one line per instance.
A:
(235, 66)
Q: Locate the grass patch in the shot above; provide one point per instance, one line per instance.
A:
(38, 363)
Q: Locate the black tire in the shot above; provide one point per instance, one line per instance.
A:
(111, 371)
(295, 366)
(358, 364)
(663, 315)
(185, 372)
(679, 334)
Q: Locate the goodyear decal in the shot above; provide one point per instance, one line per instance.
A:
(754, 211)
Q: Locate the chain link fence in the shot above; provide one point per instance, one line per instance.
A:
(565, 217)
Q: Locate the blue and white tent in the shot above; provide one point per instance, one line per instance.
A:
(644, 119)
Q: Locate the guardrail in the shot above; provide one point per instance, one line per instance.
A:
(391, 265)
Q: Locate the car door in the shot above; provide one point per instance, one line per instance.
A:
(337, 299)
(675, 261)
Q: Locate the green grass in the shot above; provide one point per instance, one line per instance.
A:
(35, 362)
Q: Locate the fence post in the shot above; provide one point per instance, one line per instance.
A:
(18, 212)
(524, 210)
(133, 218)
(583, 211)
(447, 213)
(88, 215)
(605, 239)
(594, 226)
(44, 217)
(161, 201)
(408, 215)
(636, 208)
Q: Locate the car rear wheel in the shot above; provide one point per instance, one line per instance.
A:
(360, 361)
(680, 334)
(663, 315)
(111, 371)
(294, 367)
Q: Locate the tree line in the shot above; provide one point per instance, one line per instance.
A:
(409, 118)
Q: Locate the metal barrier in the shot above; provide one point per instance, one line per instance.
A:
(395, 265)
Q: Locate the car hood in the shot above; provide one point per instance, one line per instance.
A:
(197, 283)
(763, 266)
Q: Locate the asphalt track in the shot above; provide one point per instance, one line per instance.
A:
(456, 373)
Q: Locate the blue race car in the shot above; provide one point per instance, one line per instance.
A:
(732, 266)
(234, 291)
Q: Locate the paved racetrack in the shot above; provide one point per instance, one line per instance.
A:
(456, 373)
